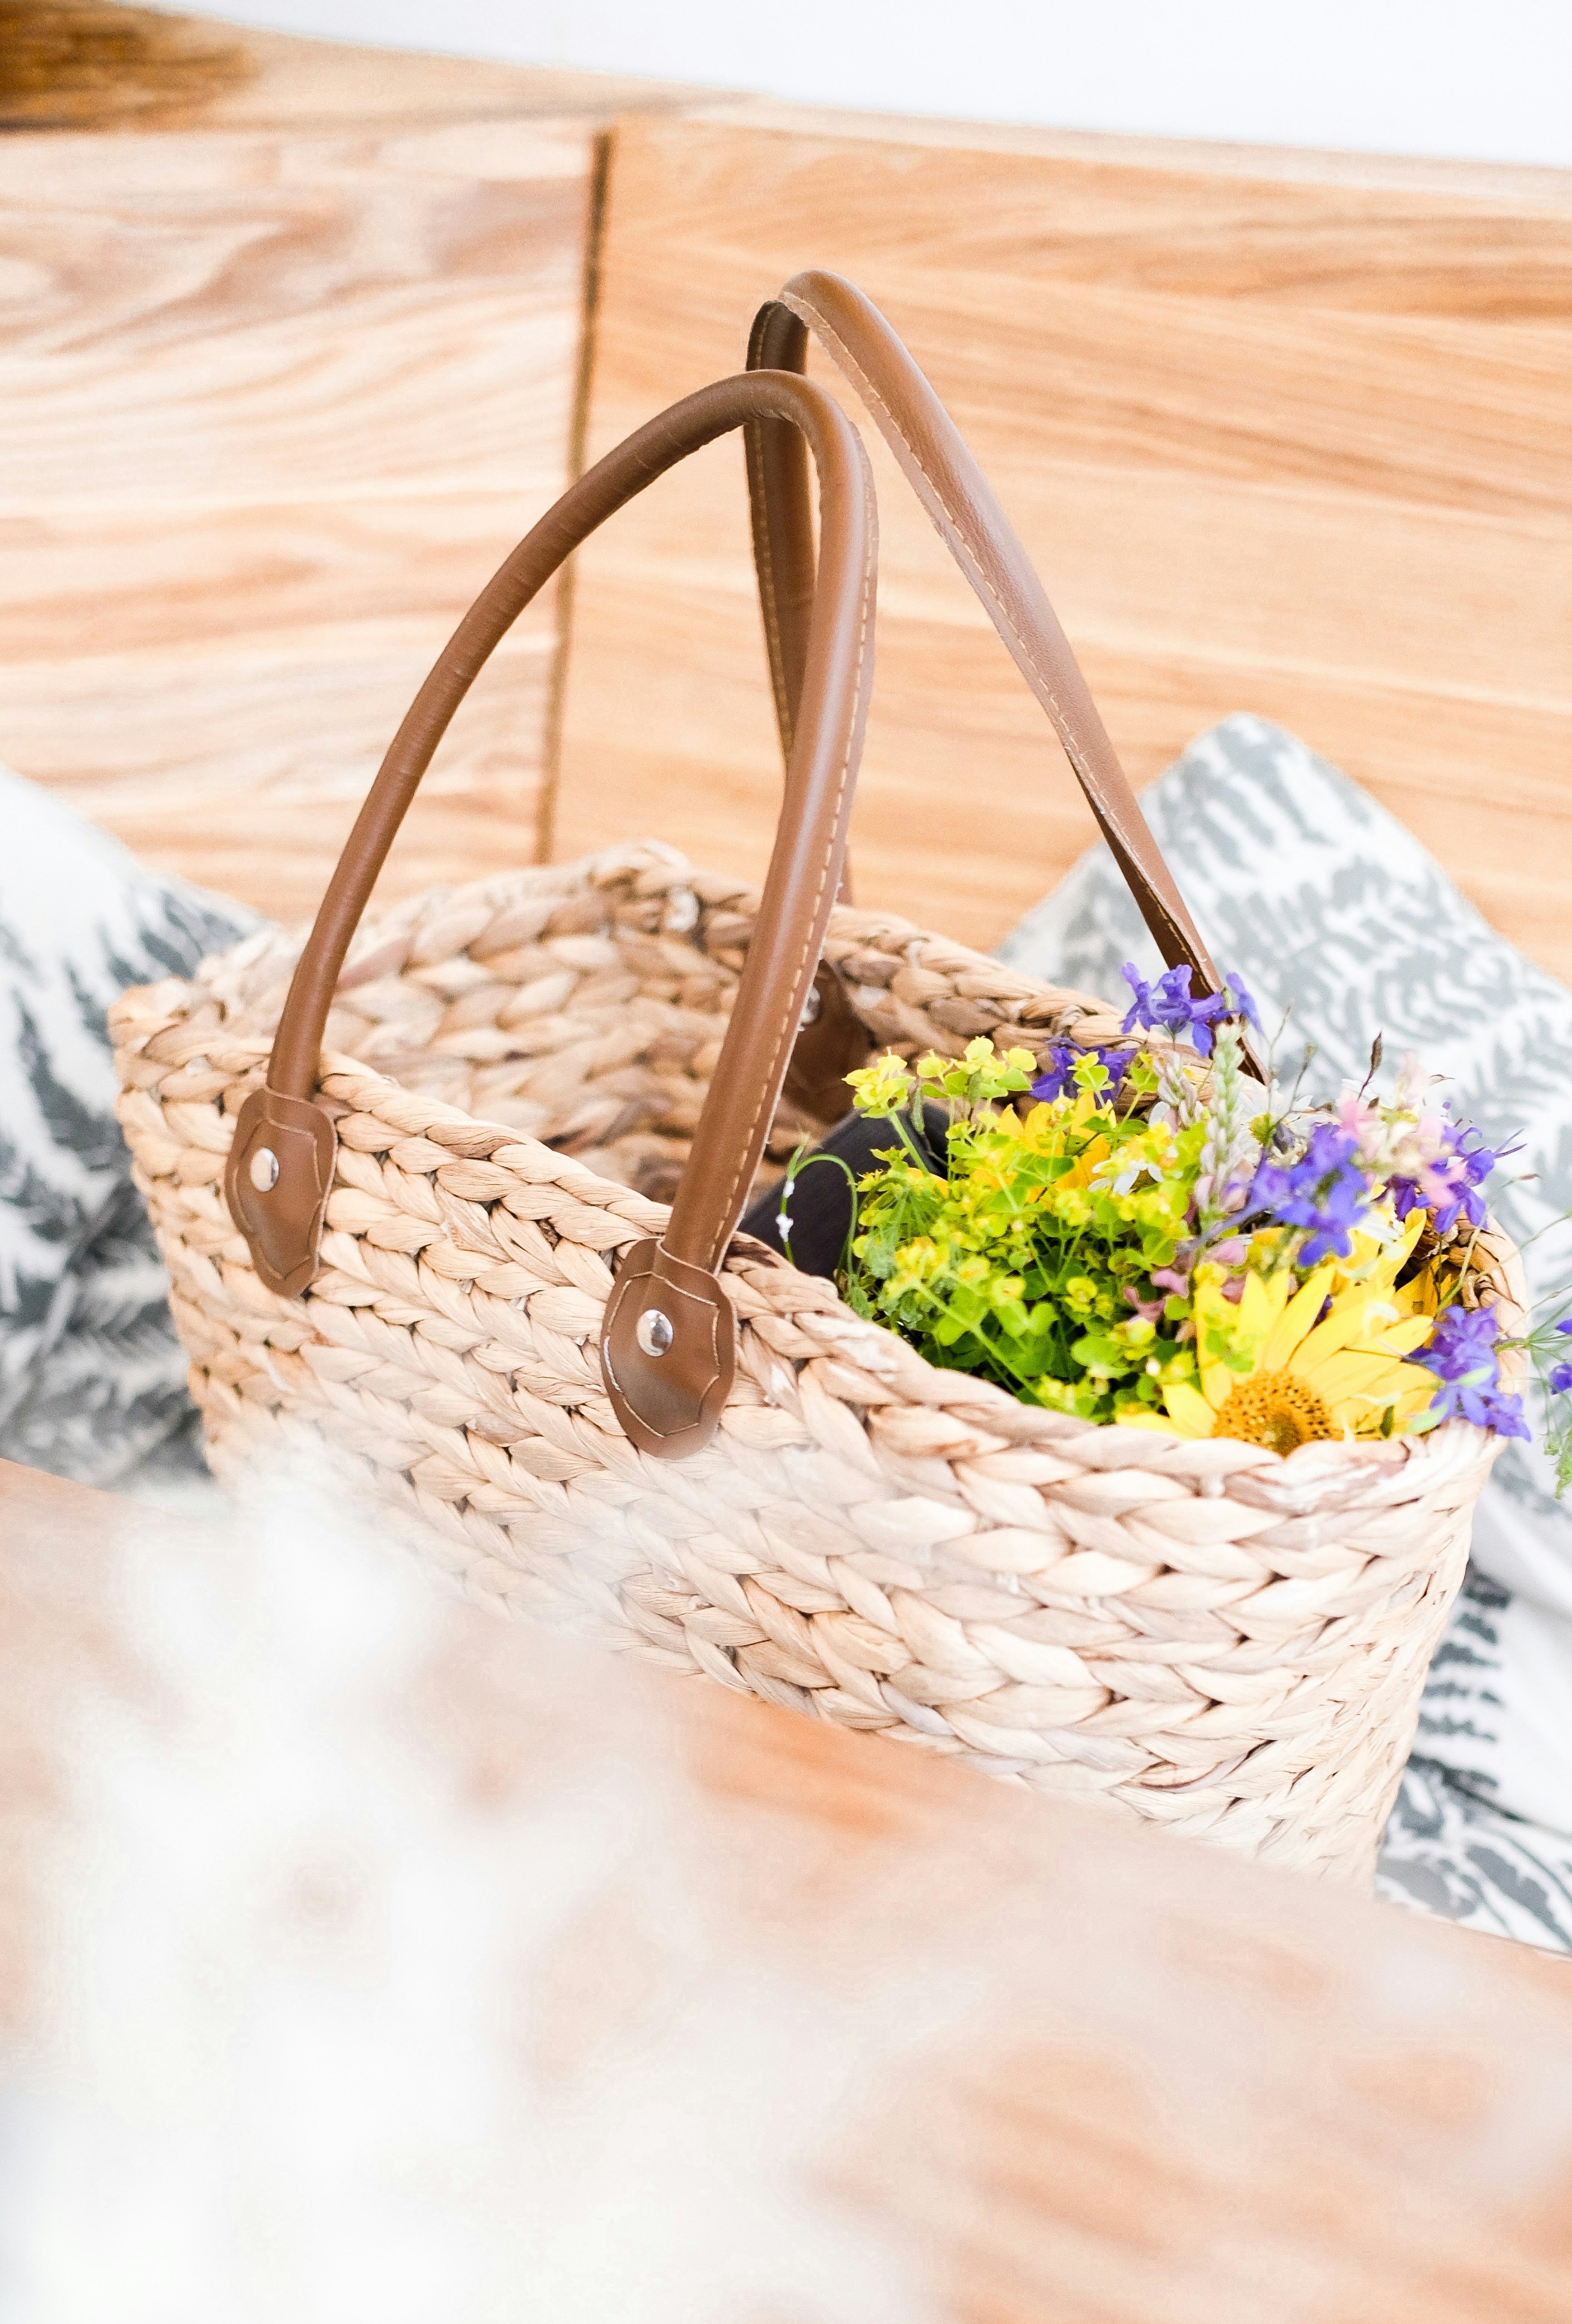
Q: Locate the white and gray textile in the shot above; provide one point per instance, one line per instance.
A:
(92, 1377)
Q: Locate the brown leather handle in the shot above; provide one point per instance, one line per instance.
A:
(668, 1385)
(959, 499)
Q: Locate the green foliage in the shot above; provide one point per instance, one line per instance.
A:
(1546, 1345)
(1074, 1248)
(1033, 1264)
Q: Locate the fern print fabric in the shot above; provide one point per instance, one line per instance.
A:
(92, 1377)
(1482, 1830)
(1333, 912)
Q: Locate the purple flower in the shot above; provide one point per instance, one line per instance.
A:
(1560, 1380)
(1058, 1075)
(1467, 1167)
(1323, 1191)
(1167, 1004)
(1498, 1409)
(1243, 1005)
(1461, 1352)
(1462, 1340)
(1450, 1187)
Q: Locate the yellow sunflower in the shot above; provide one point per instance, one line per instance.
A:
(1271, 1374)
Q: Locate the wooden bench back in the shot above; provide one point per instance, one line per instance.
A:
(1285, 433)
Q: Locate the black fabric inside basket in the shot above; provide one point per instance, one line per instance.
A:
(820, 1203)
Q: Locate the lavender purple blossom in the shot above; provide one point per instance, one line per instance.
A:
(1167, 1005)
(1324, 1192)
(1461, 1352)
(1244, 1002)
(1058, 1075)
(1451, 1186)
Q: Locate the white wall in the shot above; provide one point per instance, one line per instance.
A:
(1488, 79)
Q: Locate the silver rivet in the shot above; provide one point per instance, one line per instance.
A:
(654, 1332)
(264, 1170)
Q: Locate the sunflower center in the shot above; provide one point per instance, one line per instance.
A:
(1274, 1409)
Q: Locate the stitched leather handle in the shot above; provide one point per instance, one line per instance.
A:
(957, 496)
(669, 1380)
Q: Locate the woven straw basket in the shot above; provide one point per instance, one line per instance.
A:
(1204, 1634)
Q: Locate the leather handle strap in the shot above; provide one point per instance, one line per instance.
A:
(668, 1381)
(979, 534)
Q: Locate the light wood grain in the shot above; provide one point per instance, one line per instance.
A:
(1060, 2069)
(222, 698)
(1287, 434)
(280, 388)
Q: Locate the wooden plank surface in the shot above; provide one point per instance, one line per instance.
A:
(1290, 433)
(280, 387)
(927, 2046)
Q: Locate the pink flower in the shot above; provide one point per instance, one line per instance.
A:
(1148, 1310)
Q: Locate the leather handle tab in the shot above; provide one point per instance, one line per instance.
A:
(667, 1382)
(979, 534)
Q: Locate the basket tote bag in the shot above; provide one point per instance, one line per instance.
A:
(407, 1181)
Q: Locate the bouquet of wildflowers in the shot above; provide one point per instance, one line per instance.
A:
(1152, 1236)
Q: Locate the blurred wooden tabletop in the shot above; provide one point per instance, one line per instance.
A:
(1099, 2074)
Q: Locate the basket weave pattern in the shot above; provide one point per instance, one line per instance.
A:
(1201, 1633)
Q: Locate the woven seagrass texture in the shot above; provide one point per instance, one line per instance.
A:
(1202, 1634)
